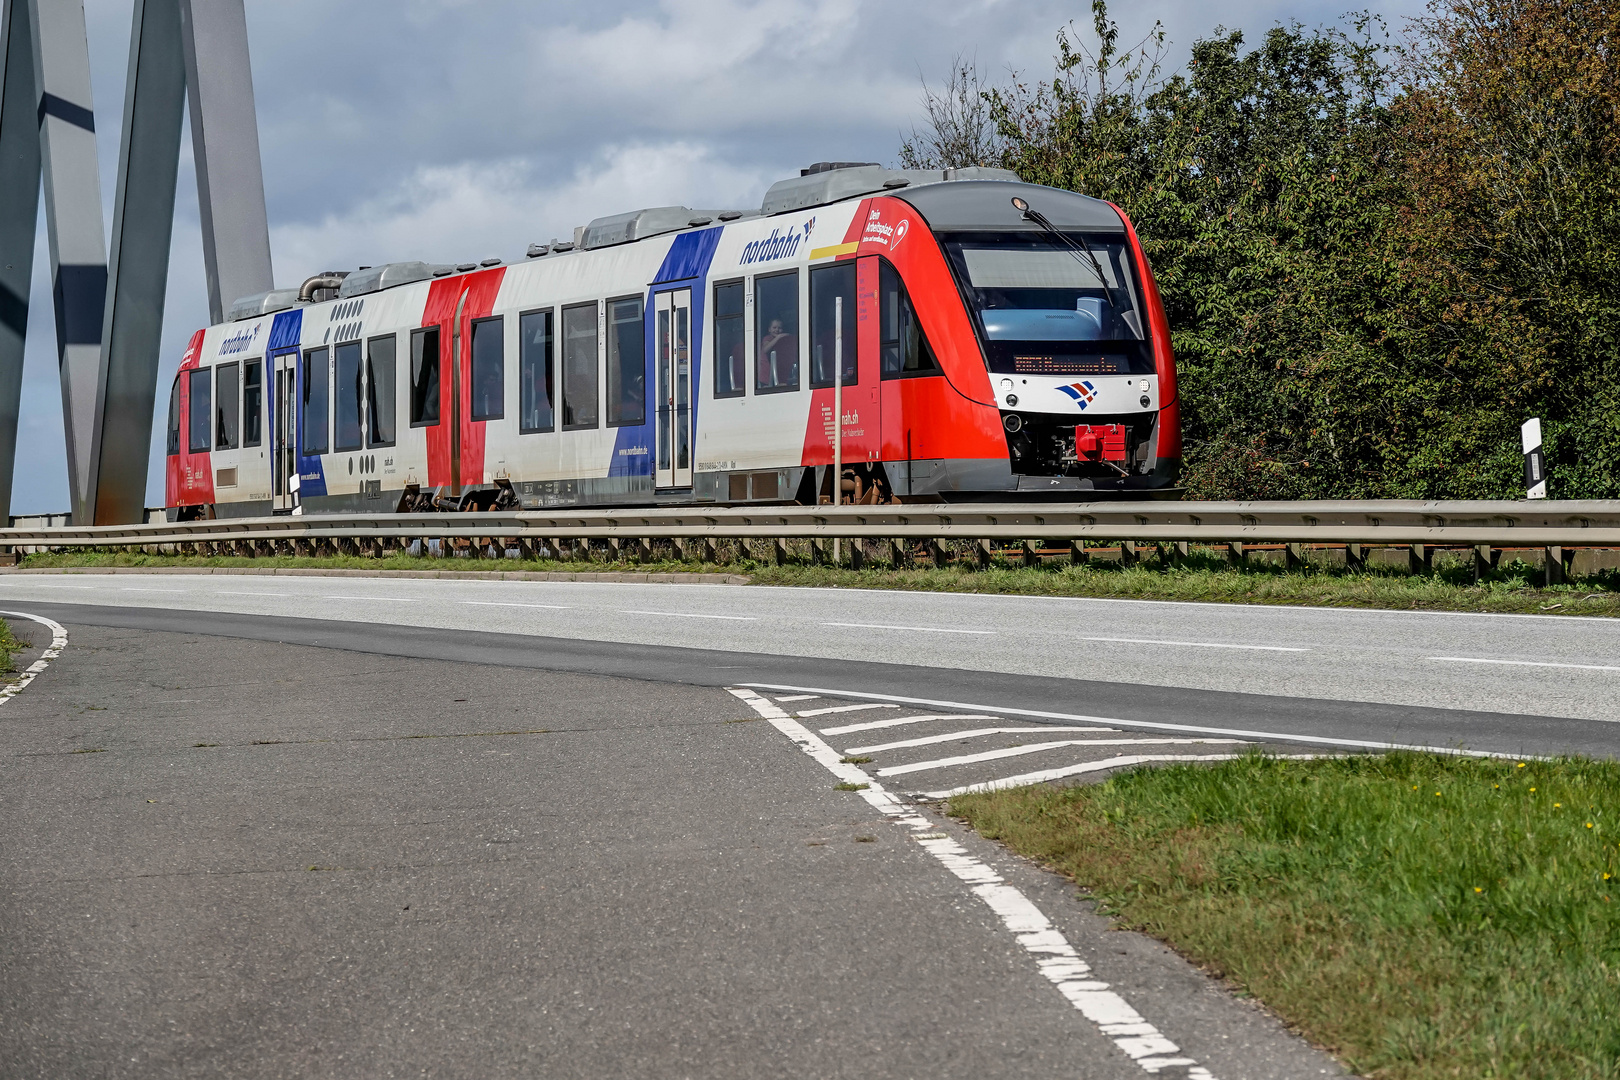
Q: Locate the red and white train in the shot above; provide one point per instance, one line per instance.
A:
(997, 339)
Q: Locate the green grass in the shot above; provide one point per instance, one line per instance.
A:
(1421, 916)
(1515, 587)
(9, 647)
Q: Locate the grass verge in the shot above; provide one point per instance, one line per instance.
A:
(1514, 588)
(9, 647)
(1419, 915)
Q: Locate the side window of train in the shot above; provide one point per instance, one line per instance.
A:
(253, 402)
(626, 363)
(579, 367)
(317, 413)
(226, 404)
(730, 349)
(200, 433)
(489, 368)
(906, 351)
(776, 333)
(174, 417)
(346, 396)
(828, 285)
(425, 377)
(536, 372)
(380, 397)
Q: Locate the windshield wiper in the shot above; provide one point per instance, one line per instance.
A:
(1075, 249)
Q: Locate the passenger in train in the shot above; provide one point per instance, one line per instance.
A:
(779, 356)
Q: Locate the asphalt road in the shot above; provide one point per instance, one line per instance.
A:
(228, 854)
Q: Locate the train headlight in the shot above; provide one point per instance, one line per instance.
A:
(1012, 400)
(1146, 401)
(1013, 423)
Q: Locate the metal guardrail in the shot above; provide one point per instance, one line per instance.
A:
(1565, 524)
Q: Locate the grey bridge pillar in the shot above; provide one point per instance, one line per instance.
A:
(109, 313)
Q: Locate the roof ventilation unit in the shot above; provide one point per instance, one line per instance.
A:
(265, 303)
(831, 181)
(376, 278)
(640, 224)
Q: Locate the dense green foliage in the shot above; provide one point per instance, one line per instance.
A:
(1421, 916)
(1377, 261)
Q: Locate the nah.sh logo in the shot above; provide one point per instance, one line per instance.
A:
(1083, 392)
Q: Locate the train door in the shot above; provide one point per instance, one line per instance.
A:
(284, 433)
(672, 347)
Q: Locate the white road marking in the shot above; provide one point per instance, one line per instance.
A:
(842, 708)
(508, 603)
(1150, 725)
(689, 615)
(976, 733)
(44, 585)
(1032, 748)
(130, 589)
(228, 592)
(1198, 644)
(1025, 779)
(59, 640)
(918, 629)
(799, 697)
(1053, 955)
(899, 720)
(1521, 663)
(392, 599)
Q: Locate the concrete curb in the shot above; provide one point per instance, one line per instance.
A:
(623, 576)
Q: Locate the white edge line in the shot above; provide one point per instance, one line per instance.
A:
(1198, 644)
(1521, 663)
(842, 709)
(917, 629)
(510, 603)
(1120, 762)
(690, 615)
(1054, 956)
(59, 639)
(1318, 740)
(1034, 748)
(974, 733)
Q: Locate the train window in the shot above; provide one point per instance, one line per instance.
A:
(776, 333)
(226, 405)
(828, 285)
(380, 398)
(200, 437)
(905, 348)
(626, 364)
(489, 368)
(346, 396)
(316, 415)
(730, 354)
(174, 417)
(579, 367)
(425, 377)
(252, 402)
(535, 372)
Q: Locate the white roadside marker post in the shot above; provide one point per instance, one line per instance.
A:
(1535, 465)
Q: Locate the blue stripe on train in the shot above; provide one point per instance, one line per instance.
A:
(286, 335)
(686, 265)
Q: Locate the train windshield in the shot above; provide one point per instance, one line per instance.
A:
(1045, 307)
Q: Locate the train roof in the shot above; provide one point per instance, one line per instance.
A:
(950, 200)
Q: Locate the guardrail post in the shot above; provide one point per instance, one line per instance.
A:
(900, 554)
(1484, 561)
(709, 555)
(1294, 554)
(1354, 557)
(1077, 553)
(779, 551)
(1555, 570)
(982, 553)
(1128, 555)
(857, 554)
(1183, 551)
(939, 553)
(1420, 559)
(1234, 554)
(1031, 553)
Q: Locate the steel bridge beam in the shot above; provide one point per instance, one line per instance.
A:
(19, 216)
(143, 222)
(225, 143)
(74, 226)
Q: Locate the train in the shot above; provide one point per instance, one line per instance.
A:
(868, 335)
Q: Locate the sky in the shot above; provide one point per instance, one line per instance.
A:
(458, 130)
